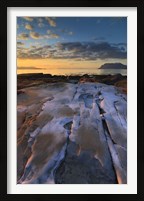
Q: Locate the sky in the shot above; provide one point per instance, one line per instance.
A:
(59, 45)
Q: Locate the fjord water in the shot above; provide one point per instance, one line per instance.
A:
(77, 71)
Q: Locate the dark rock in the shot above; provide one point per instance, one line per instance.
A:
(83, 169)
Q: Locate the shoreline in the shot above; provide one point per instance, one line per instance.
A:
(71, 134)
(35, 79)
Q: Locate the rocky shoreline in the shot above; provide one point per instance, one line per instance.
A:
(35, 79)
(71, 130)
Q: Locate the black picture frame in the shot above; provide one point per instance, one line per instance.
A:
(4, 4)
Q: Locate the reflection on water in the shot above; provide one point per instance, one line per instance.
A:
(112, 71)
(79, 71)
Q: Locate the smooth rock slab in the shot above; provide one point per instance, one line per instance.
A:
(72, 134)
(83, 168)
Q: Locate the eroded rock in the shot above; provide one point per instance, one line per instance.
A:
(62, 137)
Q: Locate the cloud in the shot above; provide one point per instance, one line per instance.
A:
(40, 19)
(54, 35)
(30, 19)
(40, 24)
(20, 43)
(65, 31)
(51, 21)
(90, 50)
(119, 44)
(34, 52)
(23, 36)
(28, 68)
(70, 33)
(29, 27)
(35, 35)
(82, 51)
(51, 34)
(33, 46)
(122, 46)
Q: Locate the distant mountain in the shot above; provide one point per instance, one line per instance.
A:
(113, 66)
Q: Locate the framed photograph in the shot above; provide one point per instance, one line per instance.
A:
(71, 84)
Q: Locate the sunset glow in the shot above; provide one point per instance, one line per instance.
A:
(64, 45)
